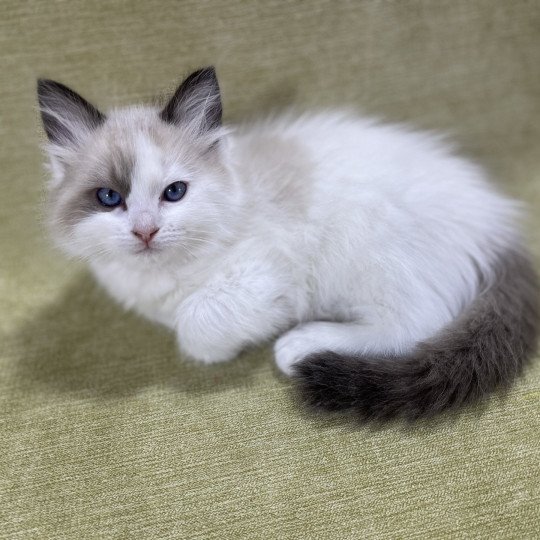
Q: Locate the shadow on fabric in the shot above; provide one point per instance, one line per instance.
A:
(84, 343)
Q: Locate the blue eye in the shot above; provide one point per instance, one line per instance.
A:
(108, 197)
(175, 191)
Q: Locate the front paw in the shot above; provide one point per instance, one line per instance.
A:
(200, 338)
(205, 353)
(204, 346)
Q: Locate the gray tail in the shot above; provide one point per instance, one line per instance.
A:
(483, 350)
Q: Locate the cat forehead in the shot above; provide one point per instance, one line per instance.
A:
(134, 147)
(125, 128)
(133, 130)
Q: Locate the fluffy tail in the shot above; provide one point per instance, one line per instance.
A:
(483, 350)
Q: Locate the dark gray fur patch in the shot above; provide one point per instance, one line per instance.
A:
(81, 200)
(120, 173)
(483, 350)
(62, 110)
(196, 100)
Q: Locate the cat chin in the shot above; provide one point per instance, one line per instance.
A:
(146, 256)
(146, 251)
(155, 255)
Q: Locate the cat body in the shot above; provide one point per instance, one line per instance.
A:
(378, 258)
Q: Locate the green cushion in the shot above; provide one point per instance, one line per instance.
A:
(104, 433)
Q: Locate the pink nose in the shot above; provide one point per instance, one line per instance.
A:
(145, 234)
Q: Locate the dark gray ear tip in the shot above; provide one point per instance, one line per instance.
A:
(44, 86)
(208, 70)
(47, 88)
(204, 74)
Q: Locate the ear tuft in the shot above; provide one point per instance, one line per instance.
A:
(65, 114)
(196, 102)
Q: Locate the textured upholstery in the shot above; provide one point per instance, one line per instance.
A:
(103, 432)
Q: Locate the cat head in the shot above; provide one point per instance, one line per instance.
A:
(140, 183)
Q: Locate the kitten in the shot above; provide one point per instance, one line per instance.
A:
(392, 274)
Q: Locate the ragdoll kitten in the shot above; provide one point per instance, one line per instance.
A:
(390, 271)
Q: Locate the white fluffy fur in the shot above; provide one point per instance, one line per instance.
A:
(330, 230)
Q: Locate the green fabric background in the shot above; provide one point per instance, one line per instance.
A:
(104, 433)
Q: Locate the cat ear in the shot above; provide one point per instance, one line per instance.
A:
(67, 117)
(196, 102)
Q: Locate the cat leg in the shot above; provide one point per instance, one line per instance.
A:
(246, 306)
(353, 338)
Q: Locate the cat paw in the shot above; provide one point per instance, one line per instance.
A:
(202, 333)
(294, 346)
(205, 355)
(197, 343)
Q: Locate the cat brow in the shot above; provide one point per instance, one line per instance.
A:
(121, 171)
(116, 174)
